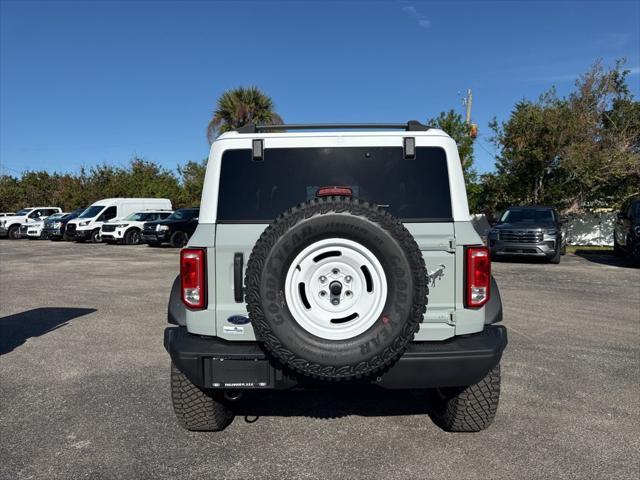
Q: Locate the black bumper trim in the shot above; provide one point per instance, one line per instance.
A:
(211, 362)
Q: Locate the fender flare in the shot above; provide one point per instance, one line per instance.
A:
(493, 308)
(176, 311)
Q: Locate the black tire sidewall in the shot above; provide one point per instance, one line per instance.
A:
(128, 236)
(175, 236)
(11, 234)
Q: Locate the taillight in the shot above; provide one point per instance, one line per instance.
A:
(334, 191)
(192, 277)
(478, 276)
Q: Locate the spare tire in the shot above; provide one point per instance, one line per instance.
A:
(336, 288)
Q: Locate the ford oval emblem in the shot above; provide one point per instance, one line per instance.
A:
(238, 319)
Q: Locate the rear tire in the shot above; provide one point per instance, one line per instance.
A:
(197, 409)
(178, 239)
(468, 409)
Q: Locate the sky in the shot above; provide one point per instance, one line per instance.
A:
(90, 82)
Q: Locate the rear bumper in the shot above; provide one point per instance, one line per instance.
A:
(211, 362)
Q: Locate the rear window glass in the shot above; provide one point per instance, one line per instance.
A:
(258, 191)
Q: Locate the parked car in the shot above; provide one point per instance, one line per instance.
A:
(32, 230)
(7, 214)
(87, 225)
(347, 236)
(626, 231)
(528, 231)
(176, 229)
(128, 230)
(55, 225)
(10, 226)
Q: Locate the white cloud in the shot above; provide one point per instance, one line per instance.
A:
(614, 41)
(423, 21)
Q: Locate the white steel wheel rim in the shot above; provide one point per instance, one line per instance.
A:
(362, 296)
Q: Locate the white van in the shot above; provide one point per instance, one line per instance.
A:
(87, 225)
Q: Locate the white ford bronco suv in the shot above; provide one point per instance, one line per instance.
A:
(335, 254)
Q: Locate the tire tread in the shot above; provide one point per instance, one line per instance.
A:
(473, 408)
(197, 409)
(323, 206)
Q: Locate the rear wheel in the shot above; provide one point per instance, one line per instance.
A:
(468, 409)
(197, 409)
(132, 237)
(178, 239)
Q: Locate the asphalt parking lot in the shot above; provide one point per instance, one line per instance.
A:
(84, 383)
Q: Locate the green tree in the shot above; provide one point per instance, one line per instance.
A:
(453, 123)
(572, 152)
(192, 179)
(240, 106)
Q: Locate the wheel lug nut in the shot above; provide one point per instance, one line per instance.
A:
(323, 293)
(347, 279)
(335, 271)
(322, 279)
(348, 293)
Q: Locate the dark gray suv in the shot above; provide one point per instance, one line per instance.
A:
(534, 231)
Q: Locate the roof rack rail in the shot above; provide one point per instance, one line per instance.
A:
(410, 126)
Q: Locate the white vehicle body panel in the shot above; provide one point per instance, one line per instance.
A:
(124, 207)
(6, 222)
(121, 230)
(431, 138)
(34, 229)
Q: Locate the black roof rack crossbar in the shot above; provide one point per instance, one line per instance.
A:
(410, 126)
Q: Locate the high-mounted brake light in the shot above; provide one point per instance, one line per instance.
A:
(478, 276)
(192, 277)
(334, 191)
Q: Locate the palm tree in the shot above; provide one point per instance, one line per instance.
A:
(240, 106)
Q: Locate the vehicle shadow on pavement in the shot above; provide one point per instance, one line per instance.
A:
(605, 259)
(363, 401)
(18, 328)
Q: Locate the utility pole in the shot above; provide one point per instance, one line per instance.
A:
(468, 101)
(473, 128)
